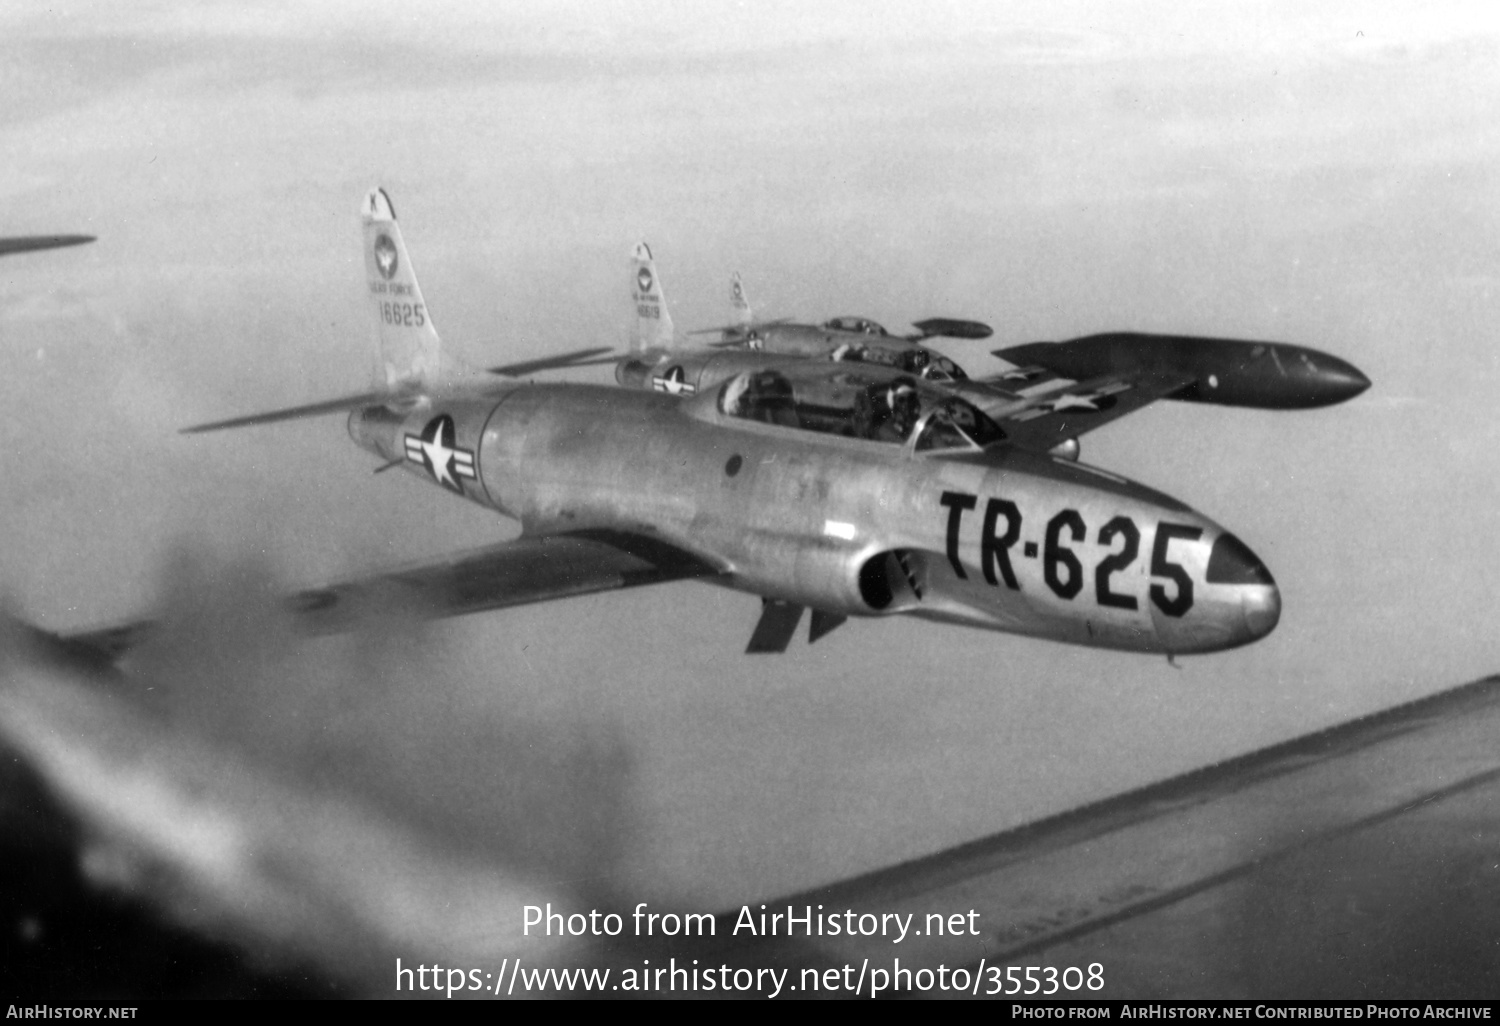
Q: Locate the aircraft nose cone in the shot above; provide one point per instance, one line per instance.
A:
(1261, 605)
(1232, 563)
(1339, 381)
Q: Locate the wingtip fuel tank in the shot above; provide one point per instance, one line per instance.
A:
(1229, 372)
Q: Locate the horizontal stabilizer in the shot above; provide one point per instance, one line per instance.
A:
(740, 330)
(577, 358)
(348, 402)
(27, 243)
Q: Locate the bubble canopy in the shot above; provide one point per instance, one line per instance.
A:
(915, 360)
(862, 325)
(896, 409)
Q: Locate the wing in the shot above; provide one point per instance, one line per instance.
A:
(513, 573)
(1345, 861)
(1050, 410)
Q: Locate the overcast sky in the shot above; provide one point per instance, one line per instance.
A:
(1321, 176)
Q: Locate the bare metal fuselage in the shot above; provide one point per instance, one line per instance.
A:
(1003, 539)
(689, 372)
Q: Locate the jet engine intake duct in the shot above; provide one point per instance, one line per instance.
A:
(889, 582)
(839, 580)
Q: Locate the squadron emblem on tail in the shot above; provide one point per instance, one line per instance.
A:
(385, 256)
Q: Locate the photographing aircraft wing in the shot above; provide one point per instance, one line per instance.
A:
(513, 573)
(1052, 410)
(1357, 861)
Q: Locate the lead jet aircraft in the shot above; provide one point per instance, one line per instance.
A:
(847, 489)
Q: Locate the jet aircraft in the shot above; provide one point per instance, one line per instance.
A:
(842, 339)
(1098, 378)
(849, 489)
(657, 361)
(1231, 372)
(662, 363)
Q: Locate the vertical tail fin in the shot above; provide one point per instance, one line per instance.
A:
(739, 306)
(653, 322)
(410, 351)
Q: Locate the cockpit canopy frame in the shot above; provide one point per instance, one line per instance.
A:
(925, 363)
(870, 403)
(858, 325)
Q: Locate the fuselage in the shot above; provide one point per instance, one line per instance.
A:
(853, 339)
(1000, 538)
(691, 371)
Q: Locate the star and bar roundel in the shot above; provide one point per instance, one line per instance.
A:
(674, 381)
(1093, 400)
(436, 448)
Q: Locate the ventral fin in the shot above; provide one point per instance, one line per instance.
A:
(823, 624)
